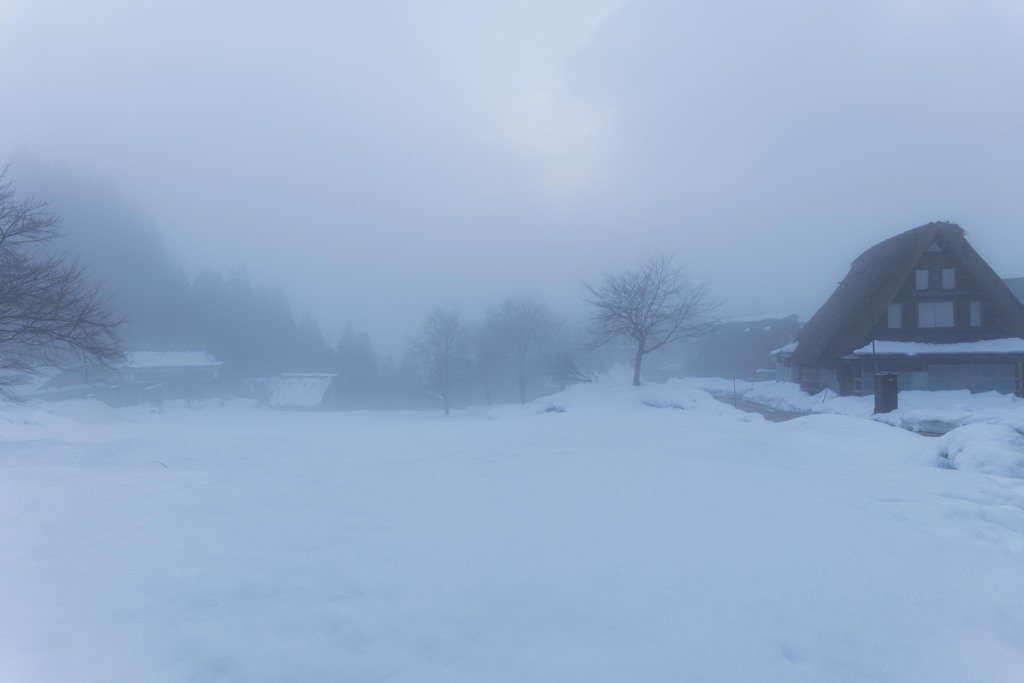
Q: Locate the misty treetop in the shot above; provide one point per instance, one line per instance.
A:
(525, 327)
(358, 369)
(441, 347)
(518, 350)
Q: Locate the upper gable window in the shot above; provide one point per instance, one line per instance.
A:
(921, 278)
(948, 278)
(934, 247)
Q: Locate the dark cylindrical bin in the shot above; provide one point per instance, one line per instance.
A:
(886, 393)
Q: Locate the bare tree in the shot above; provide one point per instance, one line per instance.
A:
(651, 305)
(486, 352)
(440, 347)
(526, 324)
(49, 311)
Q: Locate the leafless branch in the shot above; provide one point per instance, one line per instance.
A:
(526, 325)
(439, 347)
(652, 305)
(50, 312)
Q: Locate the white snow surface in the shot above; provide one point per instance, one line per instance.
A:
(897, 348)
(607, 533)
(168, 359)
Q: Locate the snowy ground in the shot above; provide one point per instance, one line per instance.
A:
(918, 410)
(604, 534)
(982, 432)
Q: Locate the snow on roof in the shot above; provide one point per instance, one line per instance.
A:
(788, 348)
(758, 318)
(299, 390)
(895, 348)
(168, 359)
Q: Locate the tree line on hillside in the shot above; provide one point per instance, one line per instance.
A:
(518, 349)
(249, 327)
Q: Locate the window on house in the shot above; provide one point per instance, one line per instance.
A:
(934, 247)
(975, 314)
(895, 316)
(935, 314)
(921, 278)
(948, 278)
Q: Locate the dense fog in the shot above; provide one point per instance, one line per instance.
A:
(304, 187)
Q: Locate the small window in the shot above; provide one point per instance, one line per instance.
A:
(948, 278)
(921, 279)
(934, 248)
(895, 316)
(975, 314)
(935, 314)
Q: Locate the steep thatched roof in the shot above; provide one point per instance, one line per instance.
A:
(845, 322)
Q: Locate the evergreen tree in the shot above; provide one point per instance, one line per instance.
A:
(358, 372)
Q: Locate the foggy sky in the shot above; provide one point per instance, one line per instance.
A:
(380, 158)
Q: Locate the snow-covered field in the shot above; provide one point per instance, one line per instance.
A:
(603, 534)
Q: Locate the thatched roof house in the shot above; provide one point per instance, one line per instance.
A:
(926, 293)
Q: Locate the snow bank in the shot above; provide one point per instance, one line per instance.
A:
(616, 395)
(988, 448)
(919, 411)
(71, 421)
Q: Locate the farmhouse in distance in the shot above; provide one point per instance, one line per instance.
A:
(922, 305)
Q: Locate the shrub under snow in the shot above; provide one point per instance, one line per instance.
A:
(988, 448)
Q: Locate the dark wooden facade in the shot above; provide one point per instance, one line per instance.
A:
(950, 286)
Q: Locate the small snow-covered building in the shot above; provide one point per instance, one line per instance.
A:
(157, 375)
(140, 376)
(741, 348)
(923, 305)
(147, 367)
(294, 390)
